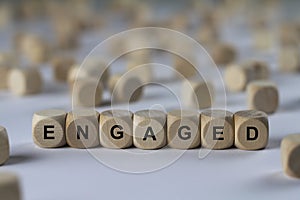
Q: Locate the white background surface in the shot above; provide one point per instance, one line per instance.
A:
(67, 173)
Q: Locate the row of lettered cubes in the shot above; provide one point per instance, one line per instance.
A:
(151, 129)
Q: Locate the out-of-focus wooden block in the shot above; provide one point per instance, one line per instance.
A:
(4, 71)
(183, 130)
(7, 62)
(125, 88)
(48, 128)
(223, 54)
(263, 38)
(82, 128)
(25, 81)
(238, 76)
(184, 67)
(289, 35)
(116, 129)
(263, 95)
(4, 146)
(61, 67)
(149, 129)
(251, 129)
(92, 68)
(138, 65)
(9, 186)
(197, 94)
(290, 153)
(208, 35)
(87, 92)
(217, 129)
(289, 59)
(34, 48)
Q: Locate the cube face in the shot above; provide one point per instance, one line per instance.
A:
(263, 95)
(149, 132)
(48, 128)
(116, 129)
(217, 129)
(290, 152)
(4, 146)
(251, 130)
(82, 133)
(183, 129)
(9, 187)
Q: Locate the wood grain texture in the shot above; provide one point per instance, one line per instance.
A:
(197, 94)
(25, 81)
(61, 66)
(87, 92)
(125, 88)
(183, 129)
(237, 76)
(290, 152)
(263, 96)
(217, 129)
(251, 129)
(9, 186)
(116, 127)
(82, 128)
(149, 129)
(48, 128)
(4, 146)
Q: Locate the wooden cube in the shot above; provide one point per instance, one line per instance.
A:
(82, 128)
(4, 146)
(149, 129)
(289, 59)
(183, 67)
(141, 69)
(7, 62)
(92, 68)
(125, 88)
(25, 81)
(9, 186)
(238, 76)
(61, 66)
(290, 153)
(217, 129)
(116, 129)
(223, 54)
(48, 128)
(87, 92)
(197, 94)
(263, 96)
(251, 129)
(183, 130)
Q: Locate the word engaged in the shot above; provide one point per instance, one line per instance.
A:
(151, 129)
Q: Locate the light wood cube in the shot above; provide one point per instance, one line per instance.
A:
(197, 94)
(116, 129)
(125, 88)
(82, 128)
(223, 54)
(7, 62)
(183, 130)
(184, 67)
(87, 92)
(4, 72)
(4, 146)
(290, 153)
(238, 76)
(48, 128)
(34, 48)
(149, 129)
(289, 59)
(251, 129)
(217, 129)
(25, 81)
(263, 96)
(9, 186)
(61, 66)
(92, 68)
